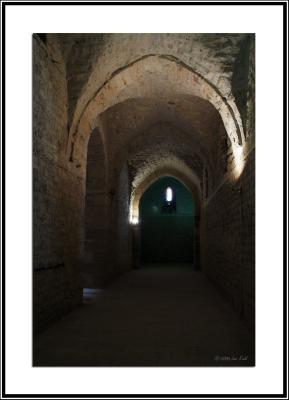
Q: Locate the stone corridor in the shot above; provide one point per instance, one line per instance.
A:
(120, 121)
(158, 315)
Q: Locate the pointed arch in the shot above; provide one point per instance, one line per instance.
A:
(189, 181)
(154, 76)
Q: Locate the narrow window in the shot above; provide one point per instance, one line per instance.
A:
(169, 201)
(169, 194)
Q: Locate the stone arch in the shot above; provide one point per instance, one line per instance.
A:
(95, 211)
(155, 76)
(166, 140)
(123, 232)
(189, 181)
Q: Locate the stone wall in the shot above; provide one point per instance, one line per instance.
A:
(56, 191)
(228, 225)
(81, 194)
(95, 247)
(124, 234)
(228, 241)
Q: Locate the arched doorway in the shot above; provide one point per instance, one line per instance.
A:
(167, 223)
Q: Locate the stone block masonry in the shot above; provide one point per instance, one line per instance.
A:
(56, 200)
(114, 112)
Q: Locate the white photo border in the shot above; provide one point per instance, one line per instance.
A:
(266, 21)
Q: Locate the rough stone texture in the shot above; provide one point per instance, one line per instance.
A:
(105, 126)
(248, 239)
(211, 55)
(243, 81)
(55, 221)
(81, 52)
(124, 234)
(229, 215)
(96, 208)
(153, 126)
(160, 78)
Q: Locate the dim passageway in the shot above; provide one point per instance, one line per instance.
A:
(144, 156)
(157, 315)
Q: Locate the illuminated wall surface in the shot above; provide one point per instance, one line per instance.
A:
(167, 234)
